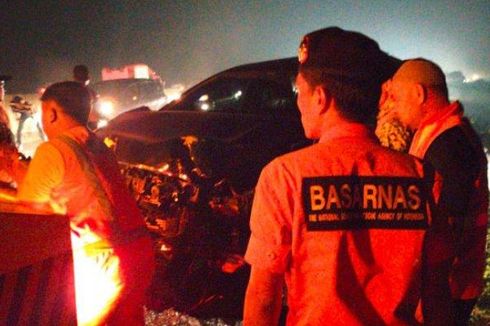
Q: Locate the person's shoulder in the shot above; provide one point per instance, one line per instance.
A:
(93, 93)
(460, 136)
(401, 162)
(48, 156)
(398, 155)
(293, 164)
(296, 156)
(62, 144)
(459, 145)
(47, 148)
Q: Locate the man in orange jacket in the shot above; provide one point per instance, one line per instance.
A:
(444, 138)
(76, 175)
(342, 222)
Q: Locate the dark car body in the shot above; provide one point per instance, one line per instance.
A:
(192, 167)
(251, 112)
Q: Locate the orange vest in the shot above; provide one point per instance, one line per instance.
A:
(78, 175)
(467, 273)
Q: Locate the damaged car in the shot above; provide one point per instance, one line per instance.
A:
(192, 167)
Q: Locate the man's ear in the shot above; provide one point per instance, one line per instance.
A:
(52, 114)
(420, 93)
(322, 99)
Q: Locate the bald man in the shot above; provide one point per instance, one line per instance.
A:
(444, 138)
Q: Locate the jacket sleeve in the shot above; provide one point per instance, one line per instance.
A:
(45, 172)
(270, 222)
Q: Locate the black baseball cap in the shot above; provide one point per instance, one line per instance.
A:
(348, 55)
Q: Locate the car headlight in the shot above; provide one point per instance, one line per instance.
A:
(205, 106)
(102, 123)
(106, 108)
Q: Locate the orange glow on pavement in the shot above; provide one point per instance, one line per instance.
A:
(97, 283)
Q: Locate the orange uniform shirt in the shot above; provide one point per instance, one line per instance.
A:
(342, 267)
(56, 176)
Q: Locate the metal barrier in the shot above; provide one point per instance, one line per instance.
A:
(36, 269)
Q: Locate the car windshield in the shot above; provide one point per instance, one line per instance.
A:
(246, 95)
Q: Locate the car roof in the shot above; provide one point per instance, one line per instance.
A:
(278, 64)
(146, 126)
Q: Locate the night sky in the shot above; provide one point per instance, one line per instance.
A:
(186, 41)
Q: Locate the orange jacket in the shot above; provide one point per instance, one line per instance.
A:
(351, 256)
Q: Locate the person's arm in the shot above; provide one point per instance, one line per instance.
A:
(45, 173)
(269, 247)
(263, 298)
(452, 156)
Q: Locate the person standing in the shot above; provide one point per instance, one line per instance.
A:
(445, 138)
(76, 175)
(25, 110)
(4, 119)
(81, 75)
(342, 222)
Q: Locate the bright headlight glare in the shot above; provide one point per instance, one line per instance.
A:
(106, 108)
(205, 106)
(102, 123)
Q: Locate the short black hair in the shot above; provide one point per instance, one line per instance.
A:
(348, 64)
(73, 97)
(357, 100)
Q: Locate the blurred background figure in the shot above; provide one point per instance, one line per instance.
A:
(81, 75)
(25, 110)
(4, 119)
(8, 149)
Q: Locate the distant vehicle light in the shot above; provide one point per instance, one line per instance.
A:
(106, 108)
(473, 78)
(102, 123)
(205, 106)
(204, 98)
(237, 95)
(157, 104)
